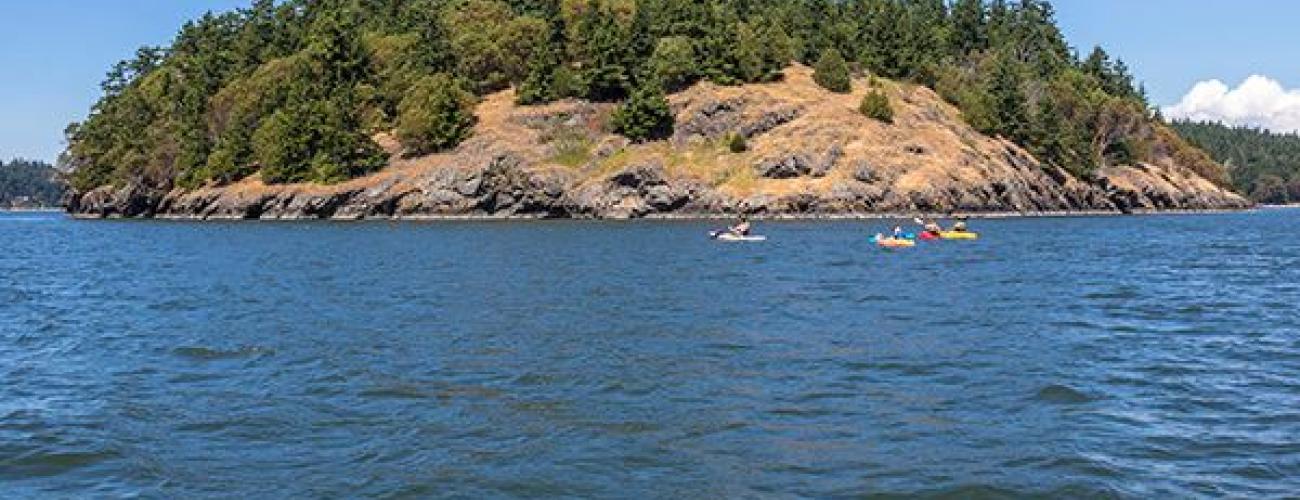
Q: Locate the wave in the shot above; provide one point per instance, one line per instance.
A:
(1061, 394)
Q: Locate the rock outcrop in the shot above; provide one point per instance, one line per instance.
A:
(810, 154)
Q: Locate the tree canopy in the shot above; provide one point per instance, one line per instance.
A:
(296, 90)
(1264, 165)
(26, 183)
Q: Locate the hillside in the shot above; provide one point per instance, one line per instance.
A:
(362, 107)
(811, 153)
(1264, 165)
(29, 184)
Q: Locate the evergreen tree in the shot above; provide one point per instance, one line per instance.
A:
(925, 39)
(645, 116)
(716, 46)
(605, 78)
(1048, 134)
(881, 39)
(673, 63)
(1097, 64)
(750, 63)
(538, 86)
(1009, 113)
(969, 33)
(832, 73)
(282, 145)
(435, 116)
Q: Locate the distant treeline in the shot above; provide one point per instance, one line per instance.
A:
(1264, 165)
(295, 90)
(29, 184)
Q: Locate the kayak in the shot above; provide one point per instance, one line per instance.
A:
(893, 242)
(731, 237)
(929, 236)
(959, 235)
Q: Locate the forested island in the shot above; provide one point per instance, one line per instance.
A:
(1265, 165)
(628, 108)
(26, 184)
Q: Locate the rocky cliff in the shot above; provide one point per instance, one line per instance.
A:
(809, 153)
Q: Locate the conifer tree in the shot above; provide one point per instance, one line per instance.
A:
(435, 116)
(646, 115)
(832, 73)
(674, 63)
(1048, 133)
(1009, 114)
(605, 76)
(968, 27)
(538, 85)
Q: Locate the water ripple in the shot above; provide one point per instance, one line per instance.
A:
(580, 359)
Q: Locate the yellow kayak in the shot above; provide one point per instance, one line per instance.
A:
(959, 235)
(895, 242)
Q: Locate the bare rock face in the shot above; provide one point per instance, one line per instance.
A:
(768, 120)
(133, 200)
(827, 162)
(785, 166)
(809, 153)
(711, 119)
(635, 191)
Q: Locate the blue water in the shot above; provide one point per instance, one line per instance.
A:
(1129, 357)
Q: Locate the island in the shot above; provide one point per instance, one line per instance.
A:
(629, 109)
(29, 185)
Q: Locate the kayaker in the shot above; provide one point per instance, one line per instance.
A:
(741, 228)
(959, 226)
(898, 232)
(932, 227)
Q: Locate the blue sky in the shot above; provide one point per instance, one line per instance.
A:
(56, 52)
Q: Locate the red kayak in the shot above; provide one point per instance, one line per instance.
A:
(929, 236)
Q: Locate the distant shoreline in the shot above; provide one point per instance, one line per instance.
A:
(32, 210)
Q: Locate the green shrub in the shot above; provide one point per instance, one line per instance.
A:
(832, 73)
(875, 105)
(737, 144)
(645, 116)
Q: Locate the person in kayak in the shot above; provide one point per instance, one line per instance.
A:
(959, 227)
(929, 226)
(898, 232)
(742, 227)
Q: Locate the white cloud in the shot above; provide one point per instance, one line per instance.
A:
(1259, 101)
